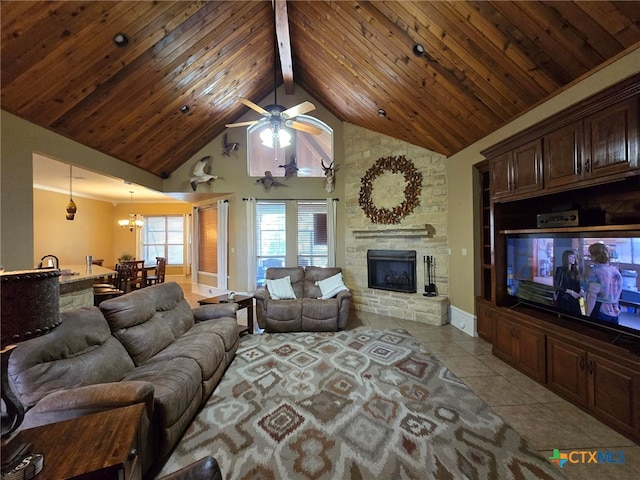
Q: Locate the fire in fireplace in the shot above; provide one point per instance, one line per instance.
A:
(393, 270)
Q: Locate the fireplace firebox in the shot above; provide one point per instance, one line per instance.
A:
(393, 270)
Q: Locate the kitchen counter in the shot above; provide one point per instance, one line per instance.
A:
(76, 289)
(80, 273)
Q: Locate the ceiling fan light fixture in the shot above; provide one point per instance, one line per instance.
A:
(268, 136)
(284, 138)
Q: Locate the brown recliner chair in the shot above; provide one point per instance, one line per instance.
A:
(307, 311)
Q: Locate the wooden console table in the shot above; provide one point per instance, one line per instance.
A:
(243, 301)
(100, 446)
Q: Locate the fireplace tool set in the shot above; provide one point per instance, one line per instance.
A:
(430, 289)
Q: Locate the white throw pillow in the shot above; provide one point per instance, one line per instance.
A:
(281, 289)
(331, 286)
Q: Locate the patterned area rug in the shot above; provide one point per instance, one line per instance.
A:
(358, 404)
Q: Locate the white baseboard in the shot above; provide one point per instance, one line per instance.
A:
(206, 290)
(464, 321)
(181, 279)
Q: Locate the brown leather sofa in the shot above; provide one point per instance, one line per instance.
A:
(146, 346)
(307, 311)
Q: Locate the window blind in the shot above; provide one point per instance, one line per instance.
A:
(208, 240)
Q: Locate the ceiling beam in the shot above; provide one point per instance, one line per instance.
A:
(284, 44)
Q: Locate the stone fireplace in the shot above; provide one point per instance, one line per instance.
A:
(393, 270)
(424, 231)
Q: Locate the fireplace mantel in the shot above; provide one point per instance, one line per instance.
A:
(419, 231)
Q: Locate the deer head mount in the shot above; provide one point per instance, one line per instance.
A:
(330, 176)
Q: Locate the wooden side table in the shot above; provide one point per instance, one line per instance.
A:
(243, 301)
(100, 446)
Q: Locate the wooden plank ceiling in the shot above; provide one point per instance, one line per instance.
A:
(485, 63)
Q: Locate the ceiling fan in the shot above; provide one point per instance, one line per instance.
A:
(274, 115)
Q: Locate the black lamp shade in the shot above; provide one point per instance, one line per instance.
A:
(30, 304)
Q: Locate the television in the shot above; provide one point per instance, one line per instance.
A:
(532, 258)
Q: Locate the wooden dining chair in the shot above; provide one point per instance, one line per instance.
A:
(158, 276)
(135, 274)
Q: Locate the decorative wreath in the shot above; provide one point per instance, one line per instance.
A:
(411, 192)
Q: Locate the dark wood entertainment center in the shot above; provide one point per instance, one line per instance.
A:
(584, 158)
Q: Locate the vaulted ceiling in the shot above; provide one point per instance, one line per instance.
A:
(484, 63)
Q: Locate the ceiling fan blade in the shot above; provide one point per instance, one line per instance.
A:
(242, 124)
(299, 109)
(254, 106)
(304, 127)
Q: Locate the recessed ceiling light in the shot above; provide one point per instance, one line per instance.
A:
(381, 112)
(184, 108)
(121, 39)
(418, 50)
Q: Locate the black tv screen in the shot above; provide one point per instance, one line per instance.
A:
(532, 263)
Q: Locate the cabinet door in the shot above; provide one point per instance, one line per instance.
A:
(501, 175)
(527, 168)
(611, 139)
(483, 317)
(530, 354)
(614, 392)
(562, 156)
(567, 370)
(503, 338)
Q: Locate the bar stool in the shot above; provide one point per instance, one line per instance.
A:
(105, 291)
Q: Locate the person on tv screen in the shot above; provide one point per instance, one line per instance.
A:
(604, 285)
(566, 281)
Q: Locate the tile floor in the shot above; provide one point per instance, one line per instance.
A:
(545, 419)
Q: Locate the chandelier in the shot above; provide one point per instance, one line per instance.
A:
(133, 221)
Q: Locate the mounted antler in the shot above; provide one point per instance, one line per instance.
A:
(330, 174)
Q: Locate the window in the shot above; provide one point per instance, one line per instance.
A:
(271, 234)
(163, 236)
(304, 223)
(312, 234)
(307, 149)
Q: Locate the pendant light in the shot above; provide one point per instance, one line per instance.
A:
(71, 205)
(132, 222)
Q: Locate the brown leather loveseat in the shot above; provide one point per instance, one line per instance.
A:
(304, 309)
(146, 346)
